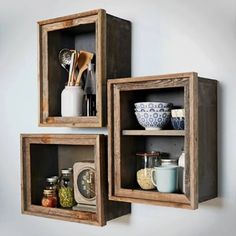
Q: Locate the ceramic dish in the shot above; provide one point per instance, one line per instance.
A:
(178, 113)
(152, 109)
(149, 105)
(177, 123)
(153, 120)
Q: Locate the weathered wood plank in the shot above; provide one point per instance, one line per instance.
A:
(154, 132)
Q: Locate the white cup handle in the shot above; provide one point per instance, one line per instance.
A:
(152, 178)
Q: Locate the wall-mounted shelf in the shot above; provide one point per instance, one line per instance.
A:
(198, 96)
(44, 155)
(108, 37)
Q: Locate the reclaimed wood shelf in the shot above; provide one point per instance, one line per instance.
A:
(153, 197)
(44, 155)
(198, 96)
(153, 132)
(107, 36)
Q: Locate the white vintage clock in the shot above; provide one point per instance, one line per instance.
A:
(84, 186)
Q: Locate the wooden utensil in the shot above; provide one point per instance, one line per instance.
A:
(71, 68)
(83, 60)
(73, 79)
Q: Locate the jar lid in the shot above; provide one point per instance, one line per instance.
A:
(52, 179)
(49, 191)
(169, 160)
(55, 177)
(65, 171)
(149, 154)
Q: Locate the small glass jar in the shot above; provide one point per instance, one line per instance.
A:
(52, 183)
(66, 190)
(49, 198)
(145, 164)
(169, 162)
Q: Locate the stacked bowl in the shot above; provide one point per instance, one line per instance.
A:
(153, 115)
(177, 118)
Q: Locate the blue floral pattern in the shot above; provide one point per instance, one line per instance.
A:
(152, 105)
(153, 119)
(177, 123)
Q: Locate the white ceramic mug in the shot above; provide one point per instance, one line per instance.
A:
(165, 178)
(72, 101)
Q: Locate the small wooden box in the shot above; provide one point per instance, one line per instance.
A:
(44, 155)
(198, 96)
(108, 37)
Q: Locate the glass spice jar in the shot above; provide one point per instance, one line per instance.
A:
(49, 198)
(169, 162)
(52, 183)
(66, 190)
(145, 164)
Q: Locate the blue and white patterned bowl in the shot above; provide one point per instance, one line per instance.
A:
(177, 122)
(152, 109)
(153, 120)
(177, 113)
(150, 105)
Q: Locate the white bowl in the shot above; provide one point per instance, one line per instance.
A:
(152, 109)
(153, 120)
(178, 113)
(149, 105)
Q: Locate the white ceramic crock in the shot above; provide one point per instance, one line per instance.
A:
(72, 101)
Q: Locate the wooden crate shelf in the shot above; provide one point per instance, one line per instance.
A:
(44, 155)
(107, 36)
(198, 96)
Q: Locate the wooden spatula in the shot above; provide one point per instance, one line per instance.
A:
(83, 60)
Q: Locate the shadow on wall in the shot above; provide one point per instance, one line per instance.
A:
(122, 220)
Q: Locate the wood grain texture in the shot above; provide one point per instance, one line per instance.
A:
(199, 144)
(153, 195)
(154, 78)
(193, 139)
(40, 157)
(150, 202)
(188, 120)
(70, 17)
(154, 132)
(107, 36)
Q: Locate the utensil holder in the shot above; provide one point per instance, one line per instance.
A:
(72, 101)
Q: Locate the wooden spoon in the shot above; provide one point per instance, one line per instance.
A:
(83, 60)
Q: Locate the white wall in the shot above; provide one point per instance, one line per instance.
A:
(167, 36)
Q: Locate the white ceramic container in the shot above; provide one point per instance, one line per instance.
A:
(177, 113)
(72, 101)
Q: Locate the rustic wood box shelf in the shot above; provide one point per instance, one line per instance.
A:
(108, 37)
(44, 155)
(198, 96)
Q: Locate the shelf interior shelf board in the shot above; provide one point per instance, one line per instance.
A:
(153, 132)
